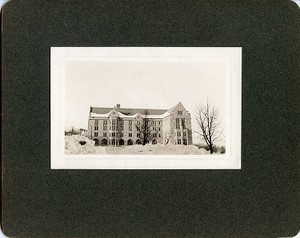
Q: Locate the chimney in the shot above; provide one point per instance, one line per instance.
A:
(118, 105)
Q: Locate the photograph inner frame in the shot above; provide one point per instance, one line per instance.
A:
(182, 107)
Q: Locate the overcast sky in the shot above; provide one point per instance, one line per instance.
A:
(142, 84)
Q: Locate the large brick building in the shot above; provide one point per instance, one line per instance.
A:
(122, 126)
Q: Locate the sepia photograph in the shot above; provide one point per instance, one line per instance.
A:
(154, 103)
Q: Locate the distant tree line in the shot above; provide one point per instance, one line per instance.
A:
(72, 131)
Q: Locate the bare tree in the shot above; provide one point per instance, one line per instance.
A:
(209, 125)
(145, 129)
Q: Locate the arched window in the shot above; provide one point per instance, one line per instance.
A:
(96, 142)
(129, 142)
(104, 142)
(121, 142)
(138, 142)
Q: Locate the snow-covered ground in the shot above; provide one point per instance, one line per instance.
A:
(72, 146)
(157, 150)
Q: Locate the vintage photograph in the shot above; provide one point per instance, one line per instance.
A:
(153, 102)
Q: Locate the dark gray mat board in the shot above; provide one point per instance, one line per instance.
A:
(260, 200)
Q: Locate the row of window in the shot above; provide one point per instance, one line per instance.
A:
(104, 122)
(184, 141)
(179, 133)
(97, 128)
(180, 125)
(113, 127)
(120, 134)
(121, 122)
(120, 142)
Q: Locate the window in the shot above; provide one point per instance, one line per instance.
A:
(178, 133)
(183, 123)
(120, 134)
(179, 112)
(129, 134)
(184, 133)
(120, 124)
(96, 122)
(138, 135)
(130, 128)
(130, 123)
(177, 123)
(113, 125)
(178, 141)
(96, 128)
(105, 125)
(185, 141)
(104, 134)
(158, 135)
(159, 129)
(96, 134)
(113, 134)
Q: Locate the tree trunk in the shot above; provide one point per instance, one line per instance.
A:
(211, 149)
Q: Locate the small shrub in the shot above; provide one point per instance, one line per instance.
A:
(216, 149)
(222, 150)
(82, 142)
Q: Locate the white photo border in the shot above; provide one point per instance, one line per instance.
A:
(232, 56)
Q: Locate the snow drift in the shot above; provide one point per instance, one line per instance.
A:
(157, 149)
(73, 146)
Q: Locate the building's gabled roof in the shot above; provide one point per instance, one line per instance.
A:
(127, 111)
(99, 112)
(179, 105)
